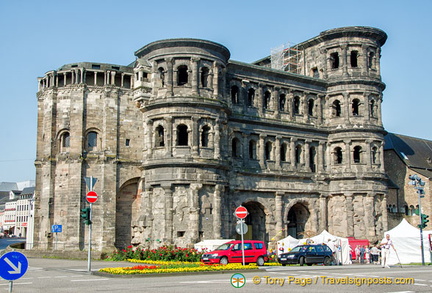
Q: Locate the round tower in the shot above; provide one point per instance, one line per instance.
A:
(179, 88)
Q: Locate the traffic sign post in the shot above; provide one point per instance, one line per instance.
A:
(91, 198)
(13, 265)
(241, 213)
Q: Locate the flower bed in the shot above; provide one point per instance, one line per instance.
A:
(175, 267)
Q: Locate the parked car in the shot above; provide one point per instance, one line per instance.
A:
(231, 252)
(307, 254)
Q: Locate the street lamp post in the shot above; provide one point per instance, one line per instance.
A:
(418, 184)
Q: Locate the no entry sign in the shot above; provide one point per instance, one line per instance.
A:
(91, 197)
(241, 212)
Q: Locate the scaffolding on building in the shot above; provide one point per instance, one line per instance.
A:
(286, 57)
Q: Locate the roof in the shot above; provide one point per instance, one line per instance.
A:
(7, 186)
(28, 191)
(416, 153)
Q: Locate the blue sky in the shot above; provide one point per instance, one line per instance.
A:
(39, 36)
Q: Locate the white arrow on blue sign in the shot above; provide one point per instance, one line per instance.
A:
(13, 265)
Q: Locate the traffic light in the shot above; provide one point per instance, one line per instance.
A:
(424, 220)
(85, 214)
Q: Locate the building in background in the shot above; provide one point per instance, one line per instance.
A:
(405, 156)
(182, 136)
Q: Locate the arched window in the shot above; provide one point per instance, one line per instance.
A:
(252, 150)
(235, 147)
(298, 154)
(282, 102)
(356, 154)
(183, 75)
(334, 60)
(296, 105)
(337, 155)
(353, 58)
(251, 97)
(374, 154)
(65, 140)
(205, 136)
(268, 150)
(283, 152)
(371, 57)
(312, 159)
(161, 71)
(372, 108)
(235, 94)
(91, 140)
(160, 136)
(336, 108)
(182, 135)
(205, 73)
(267, 97)
(311, 107)
(355, 107)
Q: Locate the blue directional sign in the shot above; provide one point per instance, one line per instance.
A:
(13, 265)
(56, 228)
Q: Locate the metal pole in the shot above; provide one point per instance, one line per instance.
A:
(10, 286)
(242, 241)
(421, 229)
(89, 240)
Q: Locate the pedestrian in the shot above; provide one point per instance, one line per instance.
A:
(362, 253)
(386, 243)
(357, 253)
(367, 251)
(332, 247)
(374, 253)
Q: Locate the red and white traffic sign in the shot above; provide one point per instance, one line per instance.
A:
(241, 212)
(91, 197)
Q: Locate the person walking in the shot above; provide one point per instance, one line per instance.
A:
(362, 254)
(374, 253)
(386, 243)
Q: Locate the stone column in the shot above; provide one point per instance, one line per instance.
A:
(215, 83)
(323, 224)
(217, 223)
(275, 98)
(261, 151)
(168, 235)
(194, 209)
(277, 152)
(368, 217)
(245, 148)
(367, 154)
(343, 59)
(319, 109)
(195, 75)
(349, 215)
(278, 213)
(320, 157)
(148, 136)
(259, 96)
(381, 157)
(169, 136)
(307, 156)
(194, 136)
(216, 144)
(170, 76)
(292, 153)
(95, 78)
(384, 212)
(347, 155)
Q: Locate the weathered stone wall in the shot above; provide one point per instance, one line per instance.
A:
(186, 135)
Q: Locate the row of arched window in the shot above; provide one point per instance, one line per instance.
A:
(182, 78)
(182, 136)
(297, 109)
(90, 144)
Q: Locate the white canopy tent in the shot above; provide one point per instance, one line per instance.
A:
(406, 240)
(211, 244)
(344, 254)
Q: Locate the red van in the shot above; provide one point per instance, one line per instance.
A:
(231, 252)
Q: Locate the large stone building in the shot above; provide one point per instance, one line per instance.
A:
(184, 135)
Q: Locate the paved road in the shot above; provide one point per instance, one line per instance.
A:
(54, 275)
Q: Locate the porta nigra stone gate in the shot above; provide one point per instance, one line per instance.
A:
(182, 136)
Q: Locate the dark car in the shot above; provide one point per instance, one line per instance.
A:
(307, 254)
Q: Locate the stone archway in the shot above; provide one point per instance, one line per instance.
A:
(256, 221)
(298, 216)
(127, 203)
